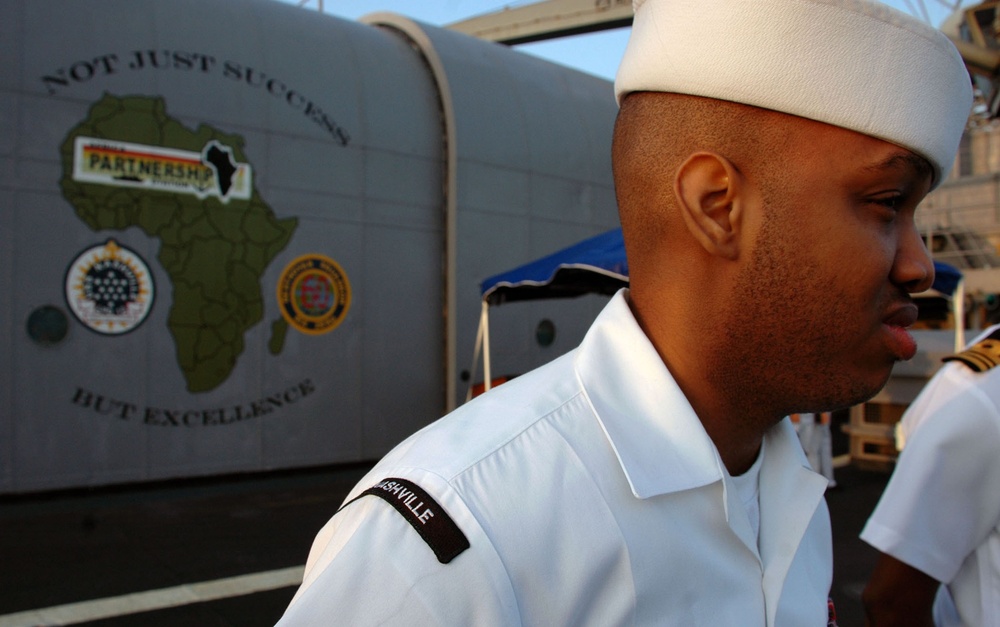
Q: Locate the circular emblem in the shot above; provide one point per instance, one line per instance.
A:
(109, 288)
(314, 294)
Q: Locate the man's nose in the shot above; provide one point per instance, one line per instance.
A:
(913, 268)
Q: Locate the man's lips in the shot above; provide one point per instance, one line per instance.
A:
(901, 343)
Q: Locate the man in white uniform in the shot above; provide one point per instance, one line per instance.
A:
(937, 521)
(768, 158)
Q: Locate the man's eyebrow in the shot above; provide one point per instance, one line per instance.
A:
(905, 160)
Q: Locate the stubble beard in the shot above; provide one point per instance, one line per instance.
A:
(782, 339)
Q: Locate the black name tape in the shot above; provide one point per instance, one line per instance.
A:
(423, 513)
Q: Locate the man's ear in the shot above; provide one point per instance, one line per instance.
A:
(707, 187)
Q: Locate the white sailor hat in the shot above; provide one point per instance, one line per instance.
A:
(855, 64)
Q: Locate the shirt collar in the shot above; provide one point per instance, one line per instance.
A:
(660, 442)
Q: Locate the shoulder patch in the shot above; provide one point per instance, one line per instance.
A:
(982, 355)
(423, 513)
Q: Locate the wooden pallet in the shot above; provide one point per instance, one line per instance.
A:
(872, 432)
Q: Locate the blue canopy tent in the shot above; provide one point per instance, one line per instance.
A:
(597, 265)
(949, 281)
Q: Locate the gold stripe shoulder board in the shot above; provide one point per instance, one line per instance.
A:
(982, 355)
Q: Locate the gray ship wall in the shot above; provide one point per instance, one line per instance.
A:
(244, 236)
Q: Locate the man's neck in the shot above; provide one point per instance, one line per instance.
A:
(738, 448)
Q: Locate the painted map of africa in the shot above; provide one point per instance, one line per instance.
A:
(130, 164)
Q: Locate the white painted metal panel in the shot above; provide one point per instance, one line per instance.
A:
(339, 133)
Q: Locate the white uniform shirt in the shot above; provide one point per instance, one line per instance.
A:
(589, 494)
(941, 509)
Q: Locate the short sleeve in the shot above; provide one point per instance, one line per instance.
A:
(369, 566)
(942, 501)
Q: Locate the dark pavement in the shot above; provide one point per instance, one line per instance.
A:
(77, 546)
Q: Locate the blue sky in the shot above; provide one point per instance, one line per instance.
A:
(597, 53)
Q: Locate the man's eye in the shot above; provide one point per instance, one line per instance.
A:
(892, 202)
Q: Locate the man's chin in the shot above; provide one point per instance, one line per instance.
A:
(866, 391)
(847, 390)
